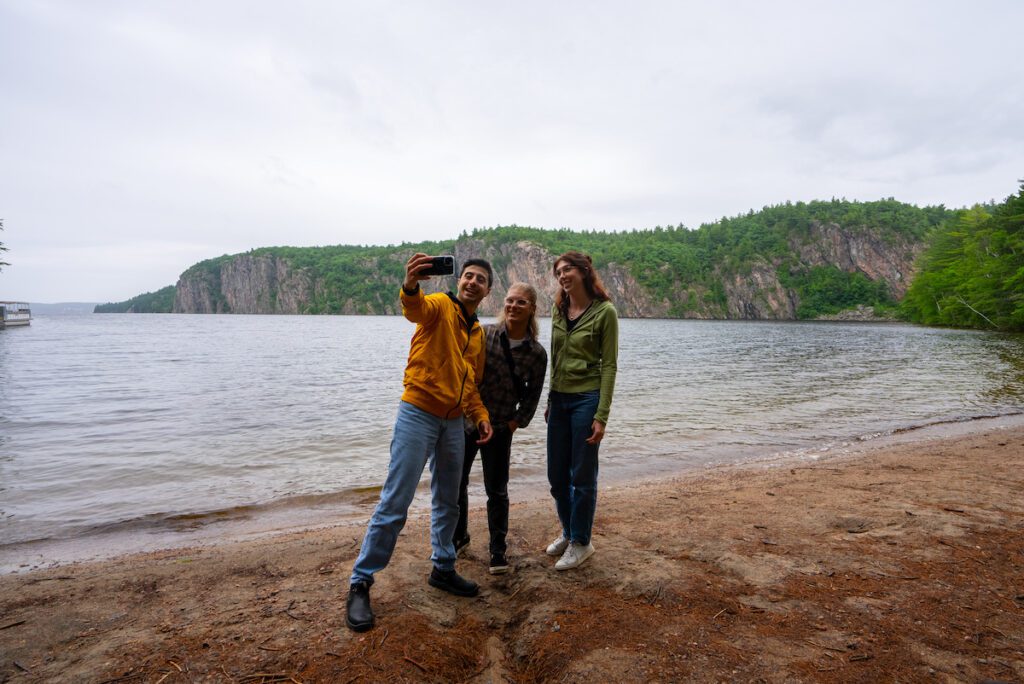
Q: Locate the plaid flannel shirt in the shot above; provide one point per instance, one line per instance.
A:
(498, 390)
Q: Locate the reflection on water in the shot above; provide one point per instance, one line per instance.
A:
(121, 420)
(1007, 381)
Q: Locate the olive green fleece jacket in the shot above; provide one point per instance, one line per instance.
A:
(586, 359)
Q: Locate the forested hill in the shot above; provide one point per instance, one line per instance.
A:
(161, 301)
(789, 261)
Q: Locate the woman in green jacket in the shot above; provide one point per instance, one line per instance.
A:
(584, 351)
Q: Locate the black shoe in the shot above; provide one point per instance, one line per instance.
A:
(453, 583)
(499, 565)
(358, 615)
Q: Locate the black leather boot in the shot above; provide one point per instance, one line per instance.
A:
(358, 615)
(453, 583)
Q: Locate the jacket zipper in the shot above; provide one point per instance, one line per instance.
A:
(556, 362)
(465, 373)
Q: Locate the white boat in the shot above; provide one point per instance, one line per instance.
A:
(14, 313)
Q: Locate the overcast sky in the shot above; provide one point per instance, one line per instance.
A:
(137, 138)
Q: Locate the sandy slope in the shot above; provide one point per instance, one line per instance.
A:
(903, 564)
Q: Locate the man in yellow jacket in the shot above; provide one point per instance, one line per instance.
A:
(446, 357)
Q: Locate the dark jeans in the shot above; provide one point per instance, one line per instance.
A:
(572, 463)
(495, 457)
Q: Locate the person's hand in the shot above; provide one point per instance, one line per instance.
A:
(416, 263)
(513, 425)
(484, 428)
(598, 434)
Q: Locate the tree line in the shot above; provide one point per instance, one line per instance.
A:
(676, 264)
(971, 273)
(679, 264)
(161, 301)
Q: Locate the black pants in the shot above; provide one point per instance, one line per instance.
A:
(495, 458)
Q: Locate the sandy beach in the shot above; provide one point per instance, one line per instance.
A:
(904, 563)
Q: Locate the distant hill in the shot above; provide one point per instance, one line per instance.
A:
(790, 261)
(59, 308)
(160, 301)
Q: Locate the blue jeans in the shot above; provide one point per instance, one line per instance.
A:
(419, 438)
(572, 463)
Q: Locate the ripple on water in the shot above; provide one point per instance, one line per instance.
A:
(118, 420)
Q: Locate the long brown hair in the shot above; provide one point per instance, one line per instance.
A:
(531, 294)
(591, 281)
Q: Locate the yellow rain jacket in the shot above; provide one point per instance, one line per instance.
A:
(446, 357)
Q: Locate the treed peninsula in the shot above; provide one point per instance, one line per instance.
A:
(814, 260)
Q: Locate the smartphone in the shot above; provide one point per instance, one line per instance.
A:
(440, 265)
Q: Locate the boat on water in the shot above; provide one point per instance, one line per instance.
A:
(13, 314)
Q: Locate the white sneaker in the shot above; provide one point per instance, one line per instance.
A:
(557, 547)
(574, 556)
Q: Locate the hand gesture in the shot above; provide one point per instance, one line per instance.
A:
(598, 433)
(485, 432)
(417, 263)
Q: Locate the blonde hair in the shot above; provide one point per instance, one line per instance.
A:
(531, 294)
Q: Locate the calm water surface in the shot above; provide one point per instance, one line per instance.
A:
(169, 422)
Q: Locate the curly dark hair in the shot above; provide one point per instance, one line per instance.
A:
(591, 280)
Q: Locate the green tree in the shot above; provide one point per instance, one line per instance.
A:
(827, 290)
(161, 301)
(972, 273)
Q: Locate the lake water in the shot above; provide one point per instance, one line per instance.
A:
(120, 432)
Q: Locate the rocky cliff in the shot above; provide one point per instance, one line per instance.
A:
(889, 257)
(265, 283)
(244, 284)
(759, 293)
(526, 262)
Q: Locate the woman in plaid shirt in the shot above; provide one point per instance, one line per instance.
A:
(512, 383)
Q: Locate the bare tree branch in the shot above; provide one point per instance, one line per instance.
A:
(977, 312)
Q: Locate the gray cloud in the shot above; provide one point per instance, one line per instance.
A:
(136, 139)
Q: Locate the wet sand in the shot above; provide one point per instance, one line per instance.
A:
(904, 563)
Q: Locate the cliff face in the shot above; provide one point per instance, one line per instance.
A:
(198, 293)
(272, 285)
(248, 285)
(890, 259)
(759, 294)
(526, 262)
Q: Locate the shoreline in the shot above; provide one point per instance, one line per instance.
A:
(258, 521)
(899, 562)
